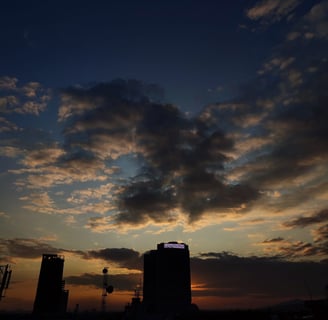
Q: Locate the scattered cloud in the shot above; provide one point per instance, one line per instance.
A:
(303, 221)
(279, 63)
(269, 11)
(317, 20)
(30, 98)
(8, 83)
(312, 26)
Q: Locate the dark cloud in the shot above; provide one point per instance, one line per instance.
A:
(273, 240)
(146, 199)
(123, 257)
(322, 236)
(318, 217)
(301, 249)
(120, 282)
(224, 274)
(203, 164)
(32, 248)
(25, 248)
(182, 159)
(202, 191)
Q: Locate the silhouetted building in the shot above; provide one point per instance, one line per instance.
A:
(50, 295)
(167, 286)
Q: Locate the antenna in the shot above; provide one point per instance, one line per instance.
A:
(104, 291)
(5, 275)
(107, 289)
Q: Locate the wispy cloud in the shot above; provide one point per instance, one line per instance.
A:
(303, 221)
(25, 248)
(269, 11)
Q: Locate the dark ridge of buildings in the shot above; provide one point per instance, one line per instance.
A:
(51, 297)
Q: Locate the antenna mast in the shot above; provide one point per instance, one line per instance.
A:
(107, 289)
(5, 275)
(104, 291)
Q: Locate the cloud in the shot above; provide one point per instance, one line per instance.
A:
(321, 236)
(8, 83)
(265, 148)
(228, 157)
(281, 63)
(317, 217)
(29, 248)
(320, 233)
(272, 10)
(120, 282)
(48, 166)
(4, 215)
(316, 19)
(10, 152)
(112, 120)
(312, 26)
(123, 257)
(291, 250)
(273, 240)
(25, 248)
(41, 157)
(30, 98)
(262, 278)
(79, 100)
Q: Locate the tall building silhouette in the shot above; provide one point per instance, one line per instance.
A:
(50, 295)
(166, 286)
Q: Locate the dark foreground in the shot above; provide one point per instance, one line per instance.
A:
(199, 315)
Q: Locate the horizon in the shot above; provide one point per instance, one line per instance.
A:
(92, 302)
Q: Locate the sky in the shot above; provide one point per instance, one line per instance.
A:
(124, 124)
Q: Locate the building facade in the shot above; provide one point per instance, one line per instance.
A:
(51, 297)
(167, 285)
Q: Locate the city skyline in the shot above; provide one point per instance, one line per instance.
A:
(124, 125)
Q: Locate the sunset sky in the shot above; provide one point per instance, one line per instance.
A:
(124, 124)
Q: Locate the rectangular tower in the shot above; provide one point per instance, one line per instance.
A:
(50, 295)
(167, 284)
